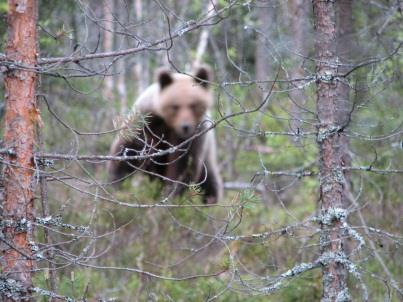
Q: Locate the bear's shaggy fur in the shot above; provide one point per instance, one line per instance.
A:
(175, 108)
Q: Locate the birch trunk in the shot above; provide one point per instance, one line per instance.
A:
(108, 44)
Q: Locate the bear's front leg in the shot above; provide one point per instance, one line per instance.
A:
(212, 185)
(119, 169)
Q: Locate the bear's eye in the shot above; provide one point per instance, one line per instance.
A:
(197, 108)
(174, 108)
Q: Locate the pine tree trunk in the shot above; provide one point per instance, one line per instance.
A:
(332, 181)
(20, 119)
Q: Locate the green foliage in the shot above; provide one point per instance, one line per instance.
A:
(3, 7)
(73, 283)
(302, 289)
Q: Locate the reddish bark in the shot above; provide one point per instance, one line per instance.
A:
(330, 142)
(20, 120)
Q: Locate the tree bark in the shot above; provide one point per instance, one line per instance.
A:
(21, 117)
(331, 176)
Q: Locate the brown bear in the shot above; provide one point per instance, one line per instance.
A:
(175, 108)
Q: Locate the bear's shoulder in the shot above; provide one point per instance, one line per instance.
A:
(147, 102)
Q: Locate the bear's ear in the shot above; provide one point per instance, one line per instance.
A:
(203, 76)
(164, 77)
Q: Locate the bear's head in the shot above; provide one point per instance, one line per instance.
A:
(184, 100)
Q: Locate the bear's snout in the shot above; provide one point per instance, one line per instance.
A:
(185, 130)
